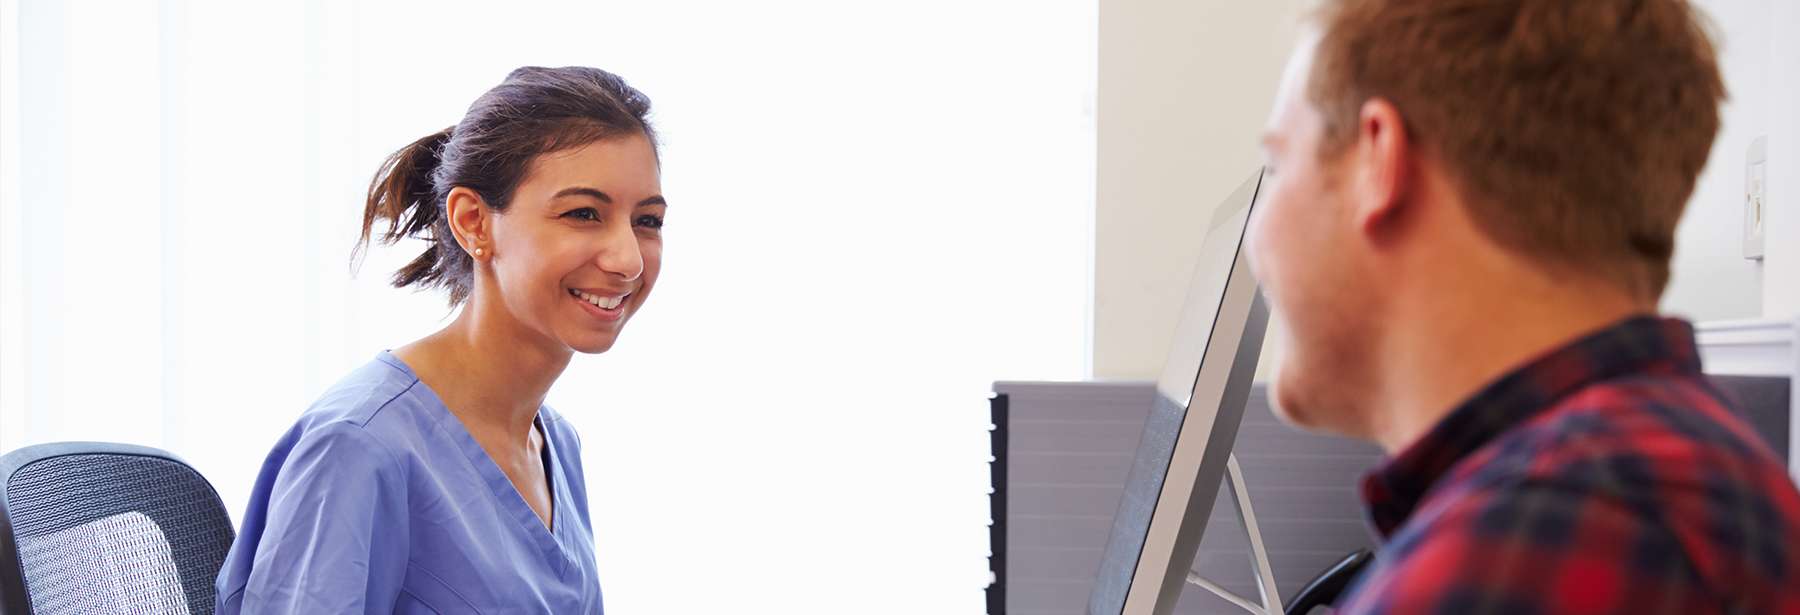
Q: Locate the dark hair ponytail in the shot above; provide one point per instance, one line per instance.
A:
(534, 112)
(403, 194)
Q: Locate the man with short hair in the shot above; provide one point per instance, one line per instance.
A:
(1466, 224)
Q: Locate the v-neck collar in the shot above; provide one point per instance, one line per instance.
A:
(505, 494)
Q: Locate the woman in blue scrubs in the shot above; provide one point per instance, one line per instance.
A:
(434, 479)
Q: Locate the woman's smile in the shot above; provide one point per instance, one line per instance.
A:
(599, 304)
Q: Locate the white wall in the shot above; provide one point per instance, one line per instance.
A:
(1781, 281)
(1185, 88)
(1759, 54)
(876, 211)
(1711, 279)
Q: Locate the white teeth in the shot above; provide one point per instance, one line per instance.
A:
(605, 303)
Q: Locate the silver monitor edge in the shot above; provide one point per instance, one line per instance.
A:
(1196, 465)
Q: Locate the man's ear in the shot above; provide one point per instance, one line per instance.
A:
(1383, 173)
(471, 221)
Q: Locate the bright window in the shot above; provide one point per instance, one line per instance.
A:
(877, 209)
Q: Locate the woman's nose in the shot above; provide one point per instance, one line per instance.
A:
(620, 255)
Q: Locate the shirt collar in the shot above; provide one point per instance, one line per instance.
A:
(1641, 344)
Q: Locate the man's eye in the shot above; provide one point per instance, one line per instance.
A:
(649, 221)
(585, 213)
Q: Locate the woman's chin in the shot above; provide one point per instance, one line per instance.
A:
(595, 347)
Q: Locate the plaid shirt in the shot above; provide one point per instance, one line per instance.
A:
(1608, 476)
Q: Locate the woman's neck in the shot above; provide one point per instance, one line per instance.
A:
(492, 373)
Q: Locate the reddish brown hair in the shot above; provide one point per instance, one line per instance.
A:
(1575, 128)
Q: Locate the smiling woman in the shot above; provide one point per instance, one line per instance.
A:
(434, 479)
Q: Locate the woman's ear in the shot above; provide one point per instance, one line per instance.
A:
(471, 221)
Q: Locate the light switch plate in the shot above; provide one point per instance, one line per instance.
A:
(1755, 197)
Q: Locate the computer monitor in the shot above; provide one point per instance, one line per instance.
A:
(1181, 457)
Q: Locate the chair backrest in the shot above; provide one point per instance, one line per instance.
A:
(96, 527)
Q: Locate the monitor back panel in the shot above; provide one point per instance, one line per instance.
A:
(1180, 460)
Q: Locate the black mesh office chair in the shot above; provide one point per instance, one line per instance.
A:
(96, 527)
(1325, 589)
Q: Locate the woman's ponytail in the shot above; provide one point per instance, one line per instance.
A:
(405, 195)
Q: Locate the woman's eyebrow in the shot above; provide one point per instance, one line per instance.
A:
(655, 200)
(585, 191)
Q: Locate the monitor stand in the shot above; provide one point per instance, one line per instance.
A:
(1259, 557)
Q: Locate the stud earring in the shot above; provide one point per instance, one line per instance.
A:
(477, 252)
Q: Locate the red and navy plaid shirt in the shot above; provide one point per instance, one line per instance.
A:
(1608, 476)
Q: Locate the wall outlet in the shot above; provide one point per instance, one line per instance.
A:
(1755, 197)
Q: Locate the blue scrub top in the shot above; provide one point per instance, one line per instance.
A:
(379, 501)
